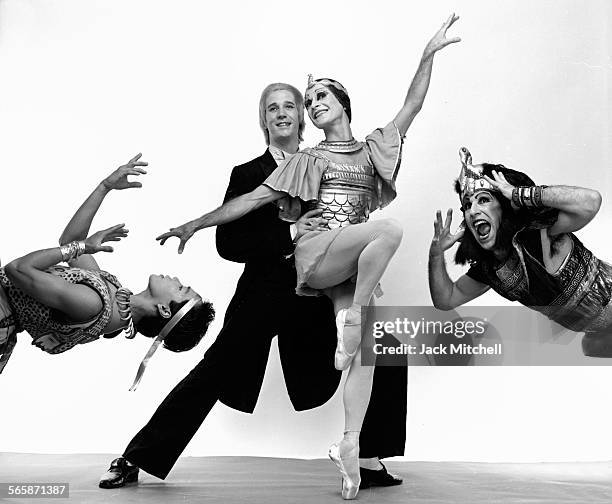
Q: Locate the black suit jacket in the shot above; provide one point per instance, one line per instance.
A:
(265, 305)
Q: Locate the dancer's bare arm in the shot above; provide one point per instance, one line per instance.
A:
(420, 82)
(78, 302)
(445, 293)
(228, 212)
(80, 223)
(577, 205)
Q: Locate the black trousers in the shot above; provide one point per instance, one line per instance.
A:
(250, 324)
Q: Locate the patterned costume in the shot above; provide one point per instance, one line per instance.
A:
(577, 296)
(50, 331)
(347, 180)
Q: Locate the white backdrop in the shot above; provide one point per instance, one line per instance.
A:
(86, 84)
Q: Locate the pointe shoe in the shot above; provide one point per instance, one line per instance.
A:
(342, 359)
(350, 483)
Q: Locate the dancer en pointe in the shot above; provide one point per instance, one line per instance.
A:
(347, 180)
(64, 305)
(265, 306)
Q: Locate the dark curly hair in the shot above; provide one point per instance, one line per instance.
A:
(187, 333)
(469, 251)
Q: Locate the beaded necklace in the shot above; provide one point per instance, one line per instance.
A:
(342, 146)
(122, 300)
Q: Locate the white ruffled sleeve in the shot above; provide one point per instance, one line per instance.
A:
(384, 147)
(300, 177)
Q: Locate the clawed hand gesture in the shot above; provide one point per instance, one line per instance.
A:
(439, 40)
(94, 243)
(500, 183)
(119, 178)
(183, 233)
(443, 239)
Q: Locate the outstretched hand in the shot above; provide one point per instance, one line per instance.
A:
(119, 178)
(94, 243)
(443, 239)
(183, 233)
(439, 40)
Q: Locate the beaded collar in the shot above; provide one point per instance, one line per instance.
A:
(122, 300)
(351, 145)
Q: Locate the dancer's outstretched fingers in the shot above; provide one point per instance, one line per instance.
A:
(94, 242)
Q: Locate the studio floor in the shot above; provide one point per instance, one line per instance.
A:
(271, 480)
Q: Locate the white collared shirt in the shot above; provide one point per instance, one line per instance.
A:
(279, 155)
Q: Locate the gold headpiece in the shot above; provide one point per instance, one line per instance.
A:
(471, 179)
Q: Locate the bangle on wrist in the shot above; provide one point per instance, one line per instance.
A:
(515, 197)
(528, 196)
(72, 250)
(524, 196)
(537, 196)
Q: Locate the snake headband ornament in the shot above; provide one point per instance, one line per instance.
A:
(162, 335)
(471, 178)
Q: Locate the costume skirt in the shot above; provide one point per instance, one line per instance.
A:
(310, 251)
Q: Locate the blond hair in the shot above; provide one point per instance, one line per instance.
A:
(299, 103)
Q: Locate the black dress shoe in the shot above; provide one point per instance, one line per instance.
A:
(380, 477)
(119, 474)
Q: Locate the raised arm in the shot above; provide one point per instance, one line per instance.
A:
(78, 302)
(228, 212)
(445, 293)
(577, 205)
(78, 227)
(420, 82)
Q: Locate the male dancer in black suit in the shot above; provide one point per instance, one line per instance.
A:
(265, 305)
